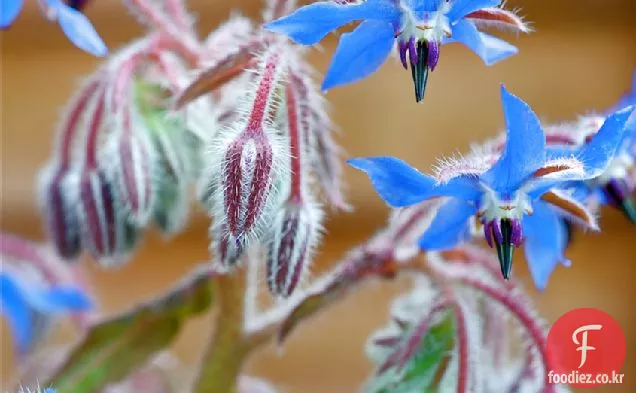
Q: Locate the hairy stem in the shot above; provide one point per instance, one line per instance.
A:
(227, 351)
(181, 41)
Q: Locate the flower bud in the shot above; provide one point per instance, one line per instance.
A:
(105, 231)
(248, 165)
(132, 168)
(295, 232)
(57, 200)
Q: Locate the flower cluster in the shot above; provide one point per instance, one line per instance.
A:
(238, 116)
(122, 160)
(77, 28)
(515, 195)
(420, 28)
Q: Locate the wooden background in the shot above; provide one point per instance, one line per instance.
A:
(580, 58)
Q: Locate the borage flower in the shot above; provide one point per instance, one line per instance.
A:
(514, 198)
(420, 27)
(75, 25)
(616, 185)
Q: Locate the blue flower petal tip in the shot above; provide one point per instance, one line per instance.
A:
(79, 30)
(9, 11)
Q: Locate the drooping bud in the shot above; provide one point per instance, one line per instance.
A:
(58, 203)
(295, 233)
(98, 212)
(248, 165)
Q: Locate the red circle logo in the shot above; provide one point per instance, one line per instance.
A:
(586, 347)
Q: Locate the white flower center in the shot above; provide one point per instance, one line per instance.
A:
(432, 28)
(492, 207)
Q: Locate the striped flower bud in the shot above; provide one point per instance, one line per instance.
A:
(58, 203)
(132, 156)
(295, 233)
(248, 164)
(99, 214)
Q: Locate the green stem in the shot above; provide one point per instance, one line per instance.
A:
(227, 351)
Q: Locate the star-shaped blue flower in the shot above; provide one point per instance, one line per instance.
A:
(74, 24)
(419, 27)
(515, 198)
(24, 303)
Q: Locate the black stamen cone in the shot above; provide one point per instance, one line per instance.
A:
(569, 231)
(505, 249)
(618, 194)
(419, 71)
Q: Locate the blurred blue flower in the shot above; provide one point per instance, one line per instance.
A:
(420, 27)
(514, 198)
(23, 302)
(615, 186)
(75, 25)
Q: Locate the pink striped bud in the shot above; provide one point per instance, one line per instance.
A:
(248, 164)
(58, 203)
(295, 233)
(104, 229)
(132, 160)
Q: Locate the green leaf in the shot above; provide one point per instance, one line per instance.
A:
(116, 347)
(424, 370)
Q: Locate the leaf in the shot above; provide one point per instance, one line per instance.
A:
(424, 371)
(119, 345)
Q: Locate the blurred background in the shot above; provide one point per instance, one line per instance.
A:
(580, 58)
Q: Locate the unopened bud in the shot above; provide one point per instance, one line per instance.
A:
(295, 232)
(58, 203)
(132, 169)
(249, 165)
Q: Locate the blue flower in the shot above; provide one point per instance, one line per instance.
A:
(515, 198)
(615, 185)
(420, 27)
(74, 24)
(25, 304)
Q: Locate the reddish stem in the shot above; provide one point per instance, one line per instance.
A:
(462, 341)
(295, 143)
(69, 127)
(92, 138)
(265, 89)
(184, 44)
(533, 329)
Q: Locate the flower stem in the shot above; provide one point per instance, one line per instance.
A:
(227, 351)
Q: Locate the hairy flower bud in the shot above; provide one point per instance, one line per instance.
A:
(295, 232)
(58, 203)
(105, 231)
(248, 165)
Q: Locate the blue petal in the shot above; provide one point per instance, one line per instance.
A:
(461, 8)
(524, 151)
(400, 185)
(49, 390)
(597, 153)
(449, 227)
(359, 53)
(546, 238)
(17, 312)
(310, 24)
(80, 31)
(9, 10)
(489, 48)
